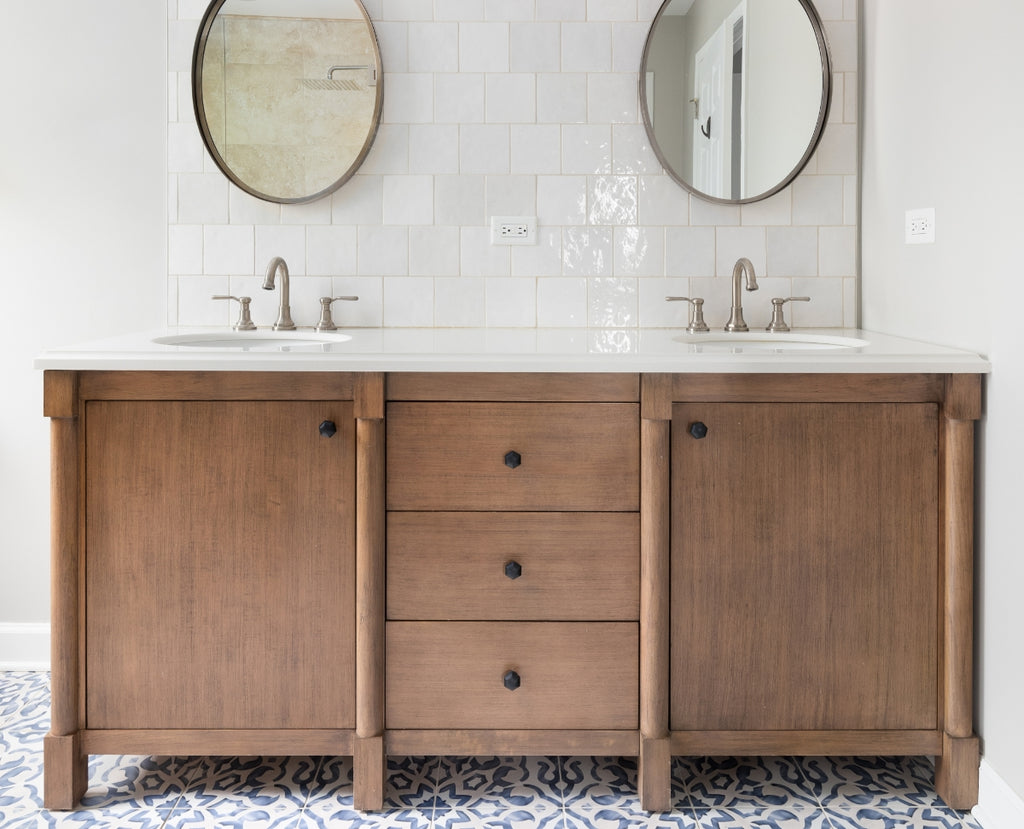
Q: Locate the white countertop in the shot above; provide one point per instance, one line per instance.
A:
(533, 350)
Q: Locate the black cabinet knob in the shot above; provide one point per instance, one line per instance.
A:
(513, 459)
(513, 569)
(328, 429)
(698, 430)
(511, 680)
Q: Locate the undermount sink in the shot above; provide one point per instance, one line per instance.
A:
(762, 342)
(255, 340)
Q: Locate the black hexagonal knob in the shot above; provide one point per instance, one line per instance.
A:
(328, 429)
(511, 680)
(513, 459)
(513, 569)
(698, 430)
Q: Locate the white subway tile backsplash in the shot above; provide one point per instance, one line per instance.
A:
(536, 149)
(484, 148)
(459, 200)
(561, 9)
(382, 251)
(433, 47)
(562, 302)
(511, 98)
(459, 99)
(689, 251)
(228, 249)
(459, 301)
(792, 251)
(483, 47)
(286, 241)
(514, 107)
(331, 250)
(433, 148)
(561, 200)
(541, 259)
(612, 200)
(612, 98)
(587, 148)
(586, 47)
(508, 9)
(478, 257)
(511, 302)
(732, 243)
(562, 98)
(535, 47)
(639, 251)
(434, 251)
(408, 200)
(408, 301)
(510, 196)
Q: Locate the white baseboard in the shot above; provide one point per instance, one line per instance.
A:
(24, 646)
(999, 806)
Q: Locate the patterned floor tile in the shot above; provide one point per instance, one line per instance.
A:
(728, 782)
(888, 782)
(409, 797)
(278, 786)
(873, 817)
(515, 792)
(787, 816)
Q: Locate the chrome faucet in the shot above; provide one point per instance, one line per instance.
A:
(743, 266)
(284, 313)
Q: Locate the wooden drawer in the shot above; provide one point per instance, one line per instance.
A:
(561, 566)
(571, 456)
(572, 675)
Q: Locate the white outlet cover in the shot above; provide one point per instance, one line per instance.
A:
(920, 226)
(528, 223)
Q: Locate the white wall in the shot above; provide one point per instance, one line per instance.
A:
(82, 228)
(943, 123)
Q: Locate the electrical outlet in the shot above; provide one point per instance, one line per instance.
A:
(920, 226)
(513, 230)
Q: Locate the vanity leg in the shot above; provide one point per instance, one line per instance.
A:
(956, 769)
(369, 771)
(655, 778)
(65, 767)
(369, 761)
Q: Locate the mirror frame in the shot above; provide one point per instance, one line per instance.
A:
(199, 52)
(815, 139)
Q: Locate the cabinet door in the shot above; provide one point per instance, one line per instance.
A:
(219, 565)
(804, 567)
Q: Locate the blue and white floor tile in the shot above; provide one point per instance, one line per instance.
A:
(457, 792)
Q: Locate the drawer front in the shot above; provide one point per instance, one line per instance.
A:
(513, 456)
(513, 566)
(570, 675)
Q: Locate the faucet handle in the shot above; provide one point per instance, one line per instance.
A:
(778, 323)
(244, 322)
(326, 321)
(696, 324)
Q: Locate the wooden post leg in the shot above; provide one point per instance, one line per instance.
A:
(956, 772)
(65, 768)
(655, 778)
(65, 772)
(956, 769)
(369, 767)
(369, 764)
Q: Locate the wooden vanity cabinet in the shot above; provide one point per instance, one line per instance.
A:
(448, 563)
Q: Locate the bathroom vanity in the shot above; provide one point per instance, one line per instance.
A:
(438, 544)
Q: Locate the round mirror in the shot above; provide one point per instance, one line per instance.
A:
(287, 93)
(735, 93)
